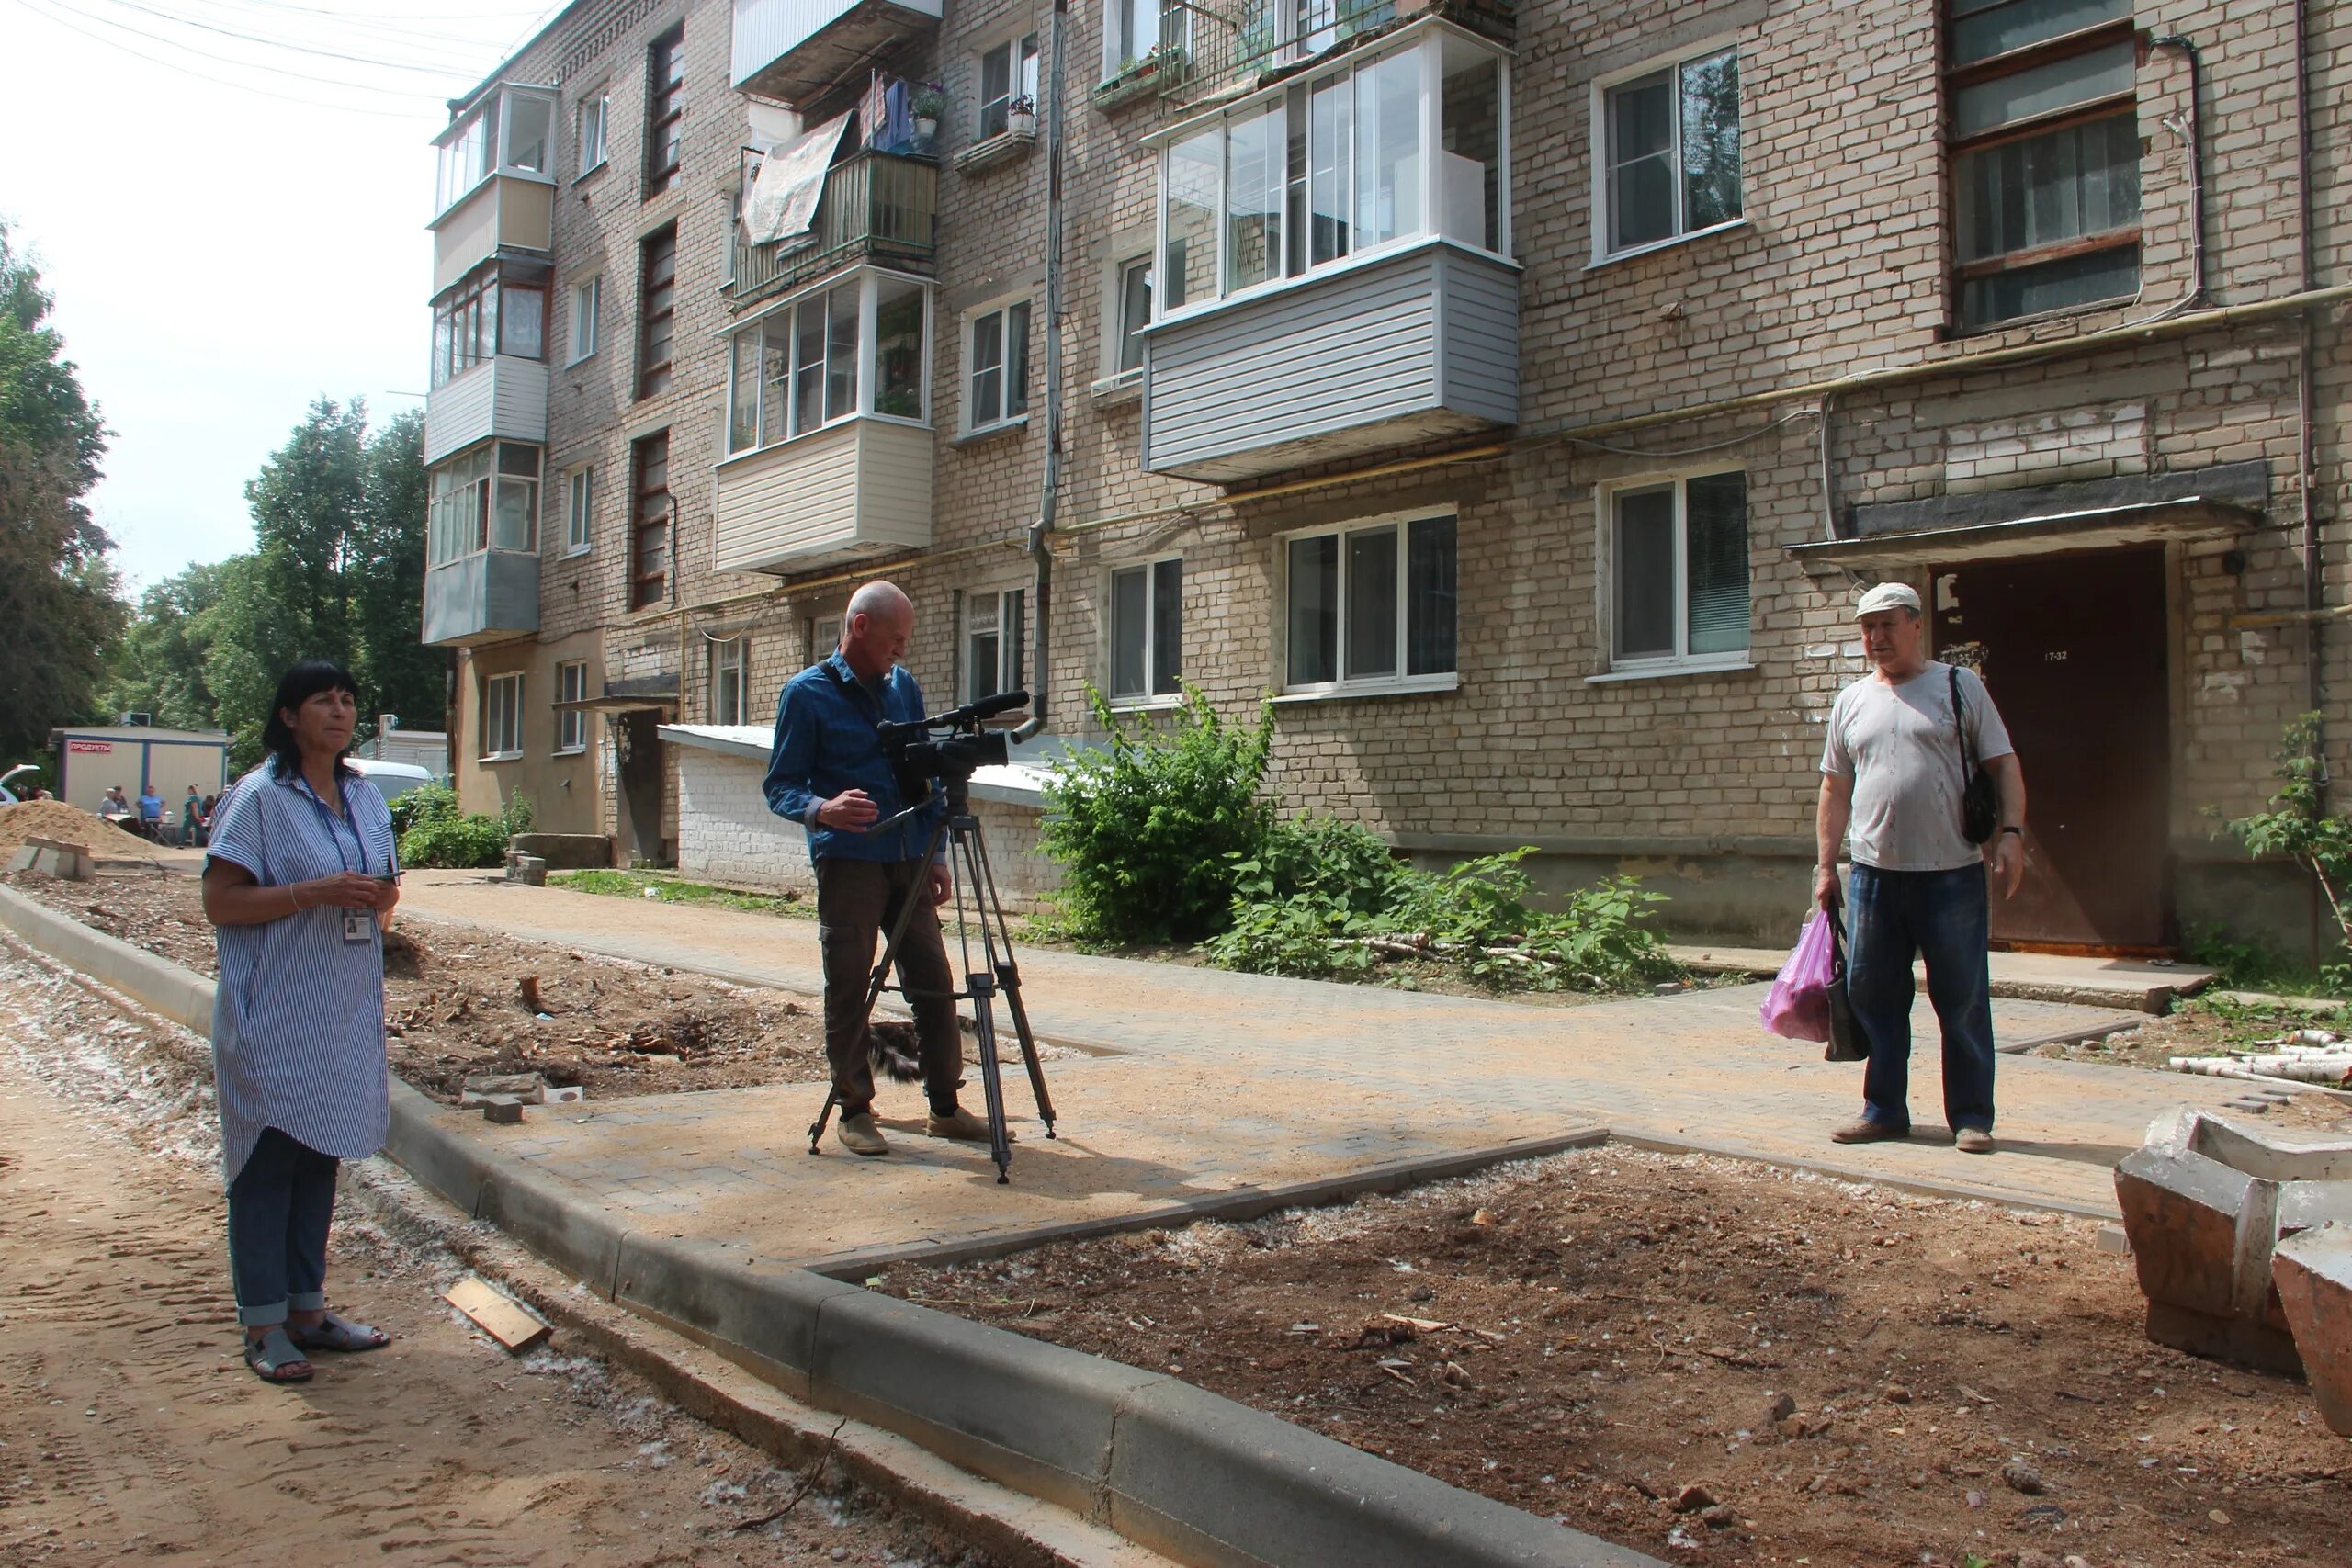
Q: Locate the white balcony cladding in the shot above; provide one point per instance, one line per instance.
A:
(505, 395)
(488, 596)
(1417, 345)
(1325, 287)
(849, 492)
(796, 49)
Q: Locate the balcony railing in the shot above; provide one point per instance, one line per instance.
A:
(876, 206)
(1210, 49)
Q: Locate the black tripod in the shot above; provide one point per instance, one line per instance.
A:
(976, 903)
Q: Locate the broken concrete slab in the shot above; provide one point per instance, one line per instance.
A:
(54, 857)
(2314, 1273)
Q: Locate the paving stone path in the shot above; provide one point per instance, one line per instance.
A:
(1198, 1084)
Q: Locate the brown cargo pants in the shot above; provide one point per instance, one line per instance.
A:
(857, 903)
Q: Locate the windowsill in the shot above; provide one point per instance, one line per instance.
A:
(581, 360)
(1387, 251)
(1731, 665)
(1412, 686)
(1961, 332)
(1114, 391)
(1004, 147)
(566, 751)
(1633, 252)
(592, 171)
(500, 757)
(1160, 704)
(576, 553)
(988, 431)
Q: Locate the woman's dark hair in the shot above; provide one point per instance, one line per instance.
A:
(298, 686)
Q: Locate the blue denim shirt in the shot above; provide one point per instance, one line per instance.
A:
(826, 742)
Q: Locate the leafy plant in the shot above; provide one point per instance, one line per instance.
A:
(929, 102)
(1150, 828)
(434, 833)
(1020, 104)
(2300, 830)
(669, 889)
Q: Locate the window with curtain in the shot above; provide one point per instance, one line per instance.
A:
(997, 385)
(1147, 631)
(1134, 302)
(1678, 589)
(2044, 154)
(1007, 72)
(486, 500)
(1370, 604)
(731, 664)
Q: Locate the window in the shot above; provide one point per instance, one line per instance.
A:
(579, 492)
(648, 543)
(824, 636)
(1334, 164)
(501, 717)
(1136, 34)
(589, 120)
(571, 724)
(1672, 151)
(1135, 314)
(998, 357)
(731, 663)
(483, 316)
(587, 304)
(657, 305)
(1147, 631)
(803, 366)
(486, 500)
(665, 111)
(995, 632)
(1678, 553)
(1007, 72)
(2045, 155)
(502, 132)
(1372, 605)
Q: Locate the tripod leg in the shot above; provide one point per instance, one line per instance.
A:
(982, 987)
(816, 1128)
(1008, 975)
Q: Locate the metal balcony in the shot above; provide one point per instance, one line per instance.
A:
(489, 596)
(877, 206)
(505, 395)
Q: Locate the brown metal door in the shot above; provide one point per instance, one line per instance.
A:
(2073, 649)
(637, 742)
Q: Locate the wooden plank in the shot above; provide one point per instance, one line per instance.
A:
(495, 1315)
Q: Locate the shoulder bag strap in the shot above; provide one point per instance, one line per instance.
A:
(1967, 752)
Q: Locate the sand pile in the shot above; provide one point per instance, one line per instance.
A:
(68, 825)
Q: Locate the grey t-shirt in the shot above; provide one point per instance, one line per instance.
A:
(1899, 746)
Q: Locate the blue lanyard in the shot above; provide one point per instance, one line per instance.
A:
(304, 787)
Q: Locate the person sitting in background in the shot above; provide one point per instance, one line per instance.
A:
(301, 873)
(113, 804)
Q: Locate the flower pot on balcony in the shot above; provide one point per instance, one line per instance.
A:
(1021, 122)
(926, 128)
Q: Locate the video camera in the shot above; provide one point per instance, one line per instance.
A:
(920, 754)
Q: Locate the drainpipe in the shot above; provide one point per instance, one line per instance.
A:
(1040, 552)
(2306, 464)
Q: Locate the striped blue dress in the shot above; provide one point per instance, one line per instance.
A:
(298, 1014)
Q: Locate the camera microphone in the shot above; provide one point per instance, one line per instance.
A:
(989, 706)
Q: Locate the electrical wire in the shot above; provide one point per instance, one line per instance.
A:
(456, 46)
(392, 15)
(410, 116)
(441, 71)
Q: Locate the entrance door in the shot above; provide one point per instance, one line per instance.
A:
(637, 744)
(2073, 649)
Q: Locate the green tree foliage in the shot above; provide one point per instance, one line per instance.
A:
(336, 572)
(59, 608)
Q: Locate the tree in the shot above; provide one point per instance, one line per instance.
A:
(59, 605)
(159, 666)
(308, 502)
(401, 674)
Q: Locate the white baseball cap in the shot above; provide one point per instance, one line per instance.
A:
(1887, 596)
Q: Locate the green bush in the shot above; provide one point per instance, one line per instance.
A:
(1150, 829)
(434, 833)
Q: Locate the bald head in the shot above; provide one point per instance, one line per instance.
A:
(876, 627)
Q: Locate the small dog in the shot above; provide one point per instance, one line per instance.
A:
(893, 1048)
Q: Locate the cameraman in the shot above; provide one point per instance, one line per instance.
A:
(830, 774)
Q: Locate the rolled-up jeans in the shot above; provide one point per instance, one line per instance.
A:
(1943, 917)
(857, 903)
(279, 1208)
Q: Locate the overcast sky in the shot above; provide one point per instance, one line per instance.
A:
(220, 253)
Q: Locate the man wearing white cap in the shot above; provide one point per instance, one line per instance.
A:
(1894, 769)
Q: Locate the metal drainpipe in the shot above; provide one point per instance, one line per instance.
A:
(2307, 473)
(1041, 617)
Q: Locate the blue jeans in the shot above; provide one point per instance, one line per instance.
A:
(279, 1208)
(1943, 917)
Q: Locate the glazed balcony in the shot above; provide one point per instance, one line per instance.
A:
(851, 491)
(488, 596)
(503, 395)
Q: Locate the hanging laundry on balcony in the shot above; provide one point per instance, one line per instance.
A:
(782, 204)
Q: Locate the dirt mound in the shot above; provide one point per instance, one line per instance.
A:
(68, 825)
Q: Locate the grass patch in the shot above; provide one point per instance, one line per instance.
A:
(654, 885)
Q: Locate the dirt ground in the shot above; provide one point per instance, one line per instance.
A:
(1595, 1335)
(452, 1004)
(130, 1431)
(70, 824)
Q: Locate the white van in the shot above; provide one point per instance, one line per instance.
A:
(392, 780)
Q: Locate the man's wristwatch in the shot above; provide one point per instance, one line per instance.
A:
(2018, 831)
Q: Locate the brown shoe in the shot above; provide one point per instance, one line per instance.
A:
(1972, 1141)
(859, 1136)
(1869, 1132)
(962, 1124)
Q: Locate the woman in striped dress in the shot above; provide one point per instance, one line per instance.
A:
(301, 873)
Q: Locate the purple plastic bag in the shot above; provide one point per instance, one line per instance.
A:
(1798, 1005)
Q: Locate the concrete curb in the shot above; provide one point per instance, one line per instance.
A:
(1201, 1478)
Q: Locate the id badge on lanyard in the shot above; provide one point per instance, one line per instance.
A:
(359, 925)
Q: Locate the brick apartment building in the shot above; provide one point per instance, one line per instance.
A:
(1519, 394)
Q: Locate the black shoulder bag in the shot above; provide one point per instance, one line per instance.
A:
(1980, 810)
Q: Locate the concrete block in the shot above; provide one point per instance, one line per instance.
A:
(553, 1219)
(765, 1318)
(1206, 1481)
(434, 1155)
(1035, 1416)
(2315, 1270)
